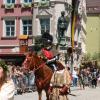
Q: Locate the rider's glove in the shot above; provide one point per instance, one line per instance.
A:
(64, 90)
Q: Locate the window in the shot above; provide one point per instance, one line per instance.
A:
(27, 27)
(45, 25)
(10, 1)
(10, 28)
(27, 1)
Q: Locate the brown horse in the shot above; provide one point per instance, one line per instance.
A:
(42, 72)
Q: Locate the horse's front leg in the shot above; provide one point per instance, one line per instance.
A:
(47, 95)
(40, 95)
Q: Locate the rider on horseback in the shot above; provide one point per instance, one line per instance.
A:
(46, 54)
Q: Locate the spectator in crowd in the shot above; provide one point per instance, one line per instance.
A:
(13, 75)
(20, 81)
(99, 79)
(7, 88)
(81, 79)
(75, 76)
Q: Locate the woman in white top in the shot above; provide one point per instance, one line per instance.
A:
(7, 88)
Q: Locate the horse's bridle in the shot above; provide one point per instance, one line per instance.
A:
(40, 66)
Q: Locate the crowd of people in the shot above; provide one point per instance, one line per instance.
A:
(89, 76)
(23, 79)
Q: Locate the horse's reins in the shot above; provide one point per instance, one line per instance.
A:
(40, 66)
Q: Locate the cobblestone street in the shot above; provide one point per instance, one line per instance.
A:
(87, 94)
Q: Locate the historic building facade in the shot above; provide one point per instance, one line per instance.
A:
(46, 13)
(45, 17)
(93, 26)
(33, 17)
(15, 20)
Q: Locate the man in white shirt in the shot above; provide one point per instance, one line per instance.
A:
(75, 76)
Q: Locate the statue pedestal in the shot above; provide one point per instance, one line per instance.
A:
(62, 41)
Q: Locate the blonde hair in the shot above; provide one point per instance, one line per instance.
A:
(3, 79)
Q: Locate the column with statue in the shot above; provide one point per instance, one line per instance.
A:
(61, 28)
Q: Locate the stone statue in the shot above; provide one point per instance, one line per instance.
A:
(61, 25)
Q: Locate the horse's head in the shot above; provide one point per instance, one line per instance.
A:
(32, 61)
(28, 62)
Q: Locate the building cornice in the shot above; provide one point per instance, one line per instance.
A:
(93, 14)
(10, 46)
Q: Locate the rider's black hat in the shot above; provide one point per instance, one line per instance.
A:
(47, 39)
